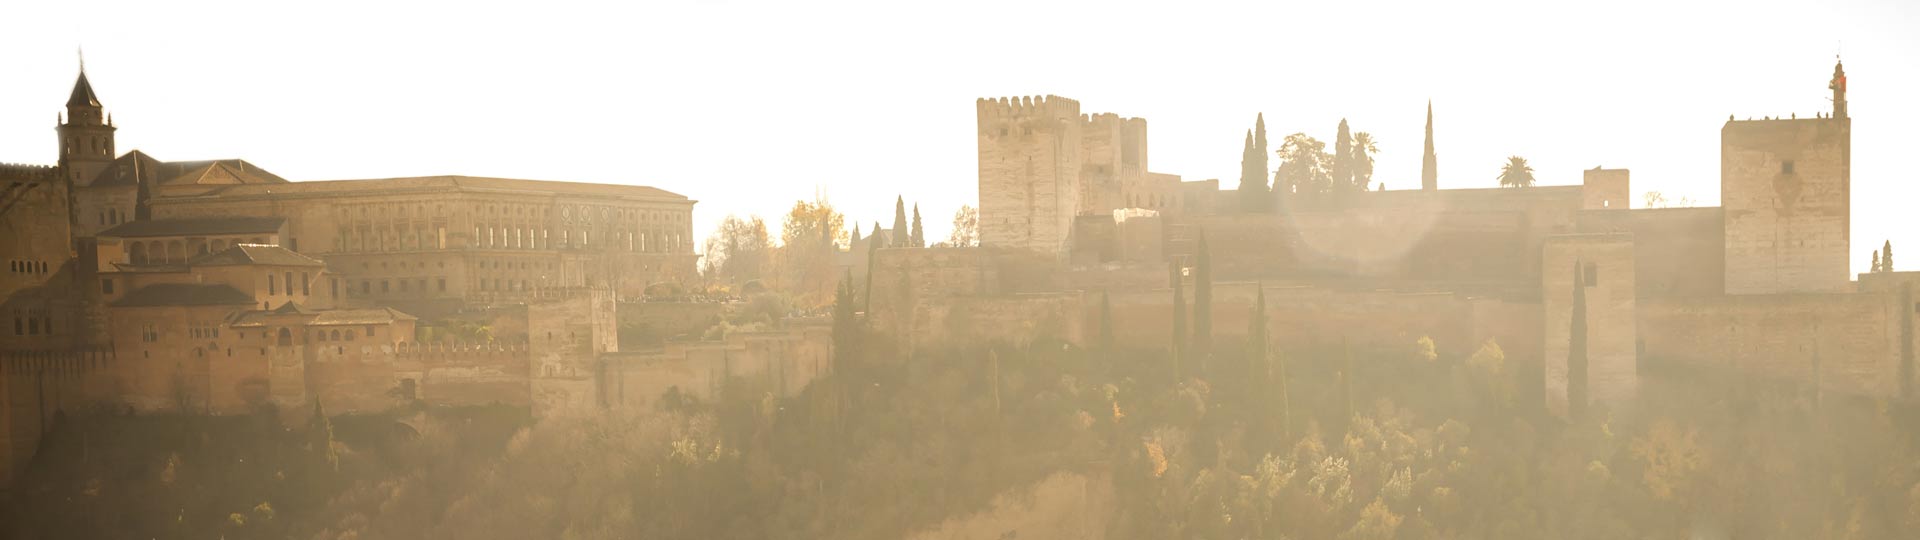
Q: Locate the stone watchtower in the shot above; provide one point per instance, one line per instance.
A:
(1029, 172)
(86, 135)
(1785, 185)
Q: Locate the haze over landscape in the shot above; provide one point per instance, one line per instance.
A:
(773, 101)
(981, 271)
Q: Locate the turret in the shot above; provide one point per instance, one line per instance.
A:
(86, 135)
(1839, 87)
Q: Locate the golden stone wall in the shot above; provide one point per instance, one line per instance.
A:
(1784, 187)
(1030, 164)
(1604, 266)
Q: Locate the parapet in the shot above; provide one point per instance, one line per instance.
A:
(1049, 106)
(18, 171)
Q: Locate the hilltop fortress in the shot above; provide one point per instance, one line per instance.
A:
(138, 285)
(1072, 218)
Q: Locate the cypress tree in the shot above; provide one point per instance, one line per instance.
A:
(1577, 349)
(1876, 263)
(1179, 317)
(1346, 381)
(856, 236)
(1250, 182)
(1260, 141)
(1343, 159)
(1202, 307)
(1886, 257)
(900, 234)
(1429, 165)
(873, 253)
(320, 433)
(1106, 322)
(917, 239)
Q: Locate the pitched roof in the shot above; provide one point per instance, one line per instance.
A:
(136, 167)
(83, 93)
(184, 294)
(243, 254)
(221, 171)
(195, 226)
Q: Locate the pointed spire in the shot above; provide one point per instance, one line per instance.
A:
(1429, 173)
(83, 92)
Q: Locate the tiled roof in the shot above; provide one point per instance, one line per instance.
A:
(255, 254)
(83, 93)
(195, 226)
(184, 294)
(136, 167)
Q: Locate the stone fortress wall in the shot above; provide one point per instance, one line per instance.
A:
(1671, 286)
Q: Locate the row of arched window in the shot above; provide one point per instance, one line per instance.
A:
(177, 251)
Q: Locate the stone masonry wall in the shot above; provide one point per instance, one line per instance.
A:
(1846, 343)
(1029, 172)
(1784, 185)
(1605, 267)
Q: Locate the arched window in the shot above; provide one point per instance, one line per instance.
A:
(137, 253)
(286, 338)
(157, 253)
(176, 251)
(334, 335)
(220, 245)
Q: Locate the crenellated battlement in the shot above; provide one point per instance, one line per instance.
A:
(1021, 107)
(58, 363)
(1106, 120)
(22, 171)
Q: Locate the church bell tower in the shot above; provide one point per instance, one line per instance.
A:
(86, 135)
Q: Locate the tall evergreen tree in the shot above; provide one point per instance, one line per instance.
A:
(873, 255)
(901, 237)
(1260, 139)
(1886, 257)
(1265, 368)
(1577, 349)
(855, 240)
(1106, 322)
(1253, 184)
(1875, 269)
(1343, 159)
(1429, 164)
(919, 240)
(1179, 318)
(320, 438)
(1202, 307)
(1346, 381)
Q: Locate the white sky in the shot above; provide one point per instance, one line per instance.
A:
(749, 106)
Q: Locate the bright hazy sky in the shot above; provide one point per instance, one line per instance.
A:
(749, 106)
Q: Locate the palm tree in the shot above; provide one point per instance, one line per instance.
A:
(1363, 151)
(1516, 173)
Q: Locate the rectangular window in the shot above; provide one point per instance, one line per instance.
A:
(333, 288)
(366, 287)
(385, 286)
(106, 286)
(272, 286)
(370, 330)
(1786, 167)
(403, 285)
(443, 284)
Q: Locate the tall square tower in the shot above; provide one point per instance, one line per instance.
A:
(1029, 172)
